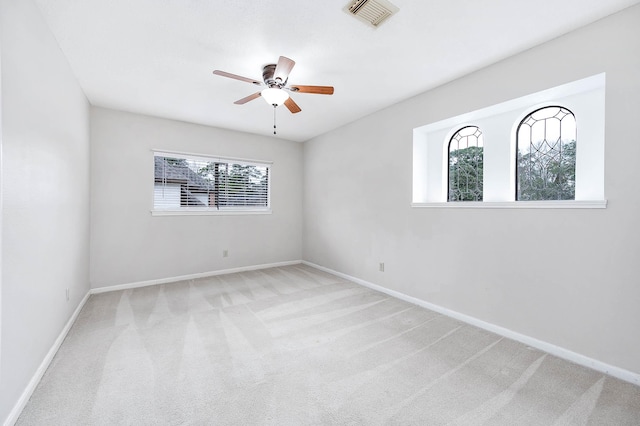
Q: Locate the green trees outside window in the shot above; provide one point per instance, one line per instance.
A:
(211, 184)
(237, 184)
(546, 155)
(466, 165)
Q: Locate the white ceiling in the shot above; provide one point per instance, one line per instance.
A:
(156, 57)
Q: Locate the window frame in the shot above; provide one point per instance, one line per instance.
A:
(213, 211)
(448, 151)
(516, 176)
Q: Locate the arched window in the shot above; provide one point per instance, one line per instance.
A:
(546, 155)
(465, 165)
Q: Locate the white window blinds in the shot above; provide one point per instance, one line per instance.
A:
(189, 182)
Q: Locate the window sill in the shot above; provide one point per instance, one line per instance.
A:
(598, 204)
(185, 212)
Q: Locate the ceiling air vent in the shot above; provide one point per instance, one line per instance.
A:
(373, 12)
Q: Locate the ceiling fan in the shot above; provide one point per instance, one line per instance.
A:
(275, 77)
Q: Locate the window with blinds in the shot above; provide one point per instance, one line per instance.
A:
(185, 182)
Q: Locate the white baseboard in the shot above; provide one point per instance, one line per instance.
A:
(33, 383)
(105, 289)
(560, 352)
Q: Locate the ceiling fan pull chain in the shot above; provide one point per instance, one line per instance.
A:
(274, 118)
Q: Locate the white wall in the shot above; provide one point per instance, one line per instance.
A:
(45, 190)
(566, 277)
(129, 245)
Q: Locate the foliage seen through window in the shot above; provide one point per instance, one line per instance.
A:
(546, 155)
(466, 165)
(216, 184)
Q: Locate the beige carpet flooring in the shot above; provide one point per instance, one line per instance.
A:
(297, 346)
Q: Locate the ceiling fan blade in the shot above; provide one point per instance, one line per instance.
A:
(292, 106)
(284, 67)
(318, 90)
(248, 98)
(237, 77)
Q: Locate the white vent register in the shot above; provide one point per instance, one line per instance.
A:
(372, 12)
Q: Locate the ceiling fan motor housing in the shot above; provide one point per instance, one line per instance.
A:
(267, 75)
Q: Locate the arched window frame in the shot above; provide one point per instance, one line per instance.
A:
(529, 116)
(479, 142)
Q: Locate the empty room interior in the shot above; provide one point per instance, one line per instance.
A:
(337, 212)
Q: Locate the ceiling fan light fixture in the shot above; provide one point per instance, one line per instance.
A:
(274, 96)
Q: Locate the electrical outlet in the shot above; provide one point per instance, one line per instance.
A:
(225, 253)
(381, 266)
(67, 294)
